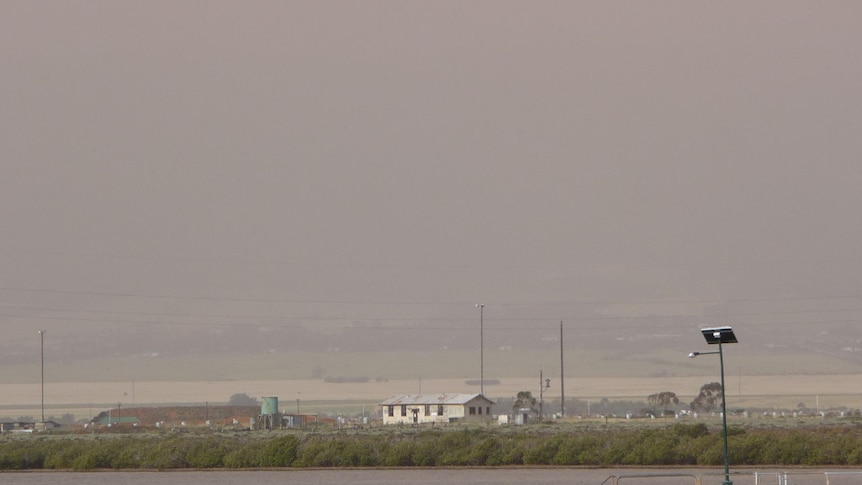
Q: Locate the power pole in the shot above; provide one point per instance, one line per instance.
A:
(543, 384)
(562, 378)
(481, 307)
(42, 355)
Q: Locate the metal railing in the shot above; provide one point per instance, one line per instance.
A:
(800, 477)
(677, 477)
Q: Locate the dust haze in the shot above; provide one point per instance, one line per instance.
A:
(187, 181)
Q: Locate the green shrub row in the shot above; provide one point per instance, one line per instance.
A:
(681, 444)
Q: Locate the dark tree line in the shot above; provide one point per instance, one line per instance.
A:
(707, 400)
(663, 400)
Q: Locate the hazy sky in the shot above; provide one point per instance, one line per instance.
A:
(348, 158)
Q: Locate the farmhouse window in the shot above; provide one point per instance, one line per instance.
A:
(427, 410)
(440, 410)
(404, 410)
(392, 410)
(472, 410)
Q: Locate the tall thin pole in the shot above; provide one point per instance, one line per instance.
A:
(724, 418)
(562, 378)
(42, 355)
(543, 384)
(481, 348)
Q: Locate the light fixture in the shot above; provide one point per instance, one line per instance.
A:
(719, 336)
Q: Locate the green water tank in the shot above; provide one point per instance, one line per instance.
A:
(269, 406)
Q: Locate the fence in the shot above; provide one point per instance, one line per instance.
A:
(801, 477)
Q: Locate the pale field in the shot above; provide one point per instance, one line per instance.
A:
(754, 379)
(84, 399)
(403, 365)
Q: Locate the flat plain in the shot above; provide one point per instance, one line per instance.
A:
(753, 379)
(310, 395)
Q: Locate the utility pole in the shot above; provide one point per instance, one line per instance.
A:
(543, 384)
(562, 379)
(42, 354)
(481, 307)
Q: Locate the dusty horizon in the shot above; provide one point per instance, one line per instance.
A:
(758, 391)
(189, 179)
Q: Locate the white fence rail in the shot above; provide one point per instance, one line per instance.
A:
(800, 477)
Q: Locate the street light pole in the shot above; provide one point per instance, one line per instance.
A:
(724, 418)
(42, 358)
(481, 307)
(720, 335)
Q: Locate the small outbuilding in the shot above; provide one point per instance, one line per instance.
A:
(17, 427)
(437, 409)
(46, 425)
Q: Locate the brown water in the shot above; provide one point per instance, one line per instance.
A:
(435, 476)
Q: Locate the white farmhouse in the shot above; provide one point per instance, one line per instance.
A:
(437, 408)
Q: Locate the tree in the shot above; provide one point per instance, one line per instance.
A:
(524, 400)
(709, 398)
(67, 418)
(663, 400)
(241, 399)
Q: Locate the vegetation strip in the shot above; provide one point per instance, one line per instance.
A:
(679, 444)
